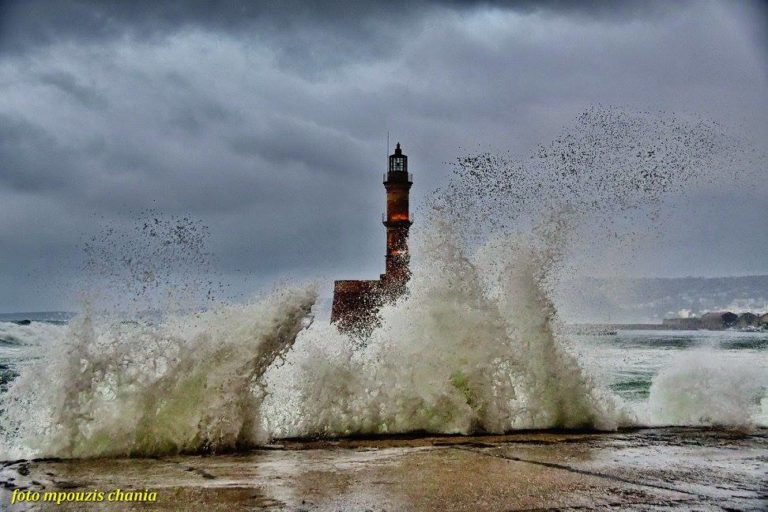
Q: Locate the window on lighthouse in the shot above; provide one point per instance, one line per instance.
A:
(397, 164)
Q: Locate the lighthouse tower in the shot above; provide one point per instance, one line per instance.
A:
(356, 303)
(397, 221)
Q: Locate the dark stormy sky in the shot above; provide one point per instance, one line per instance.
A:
(268, 120)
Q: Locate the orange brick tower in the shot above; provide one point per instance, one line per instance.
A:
(398, 183)
(356, 303)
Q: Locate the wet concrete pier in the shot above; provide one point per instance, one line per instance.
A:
(651, 469)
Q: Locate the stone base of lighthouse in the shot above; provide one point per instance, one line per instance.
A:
(356, 303)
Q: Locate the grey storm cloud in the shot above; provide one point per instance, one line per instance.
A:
(46, 21)
(68, 84)
(268, 120)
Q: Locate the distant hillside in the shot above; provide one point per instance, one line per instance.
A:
(652, 299)
(37, 316)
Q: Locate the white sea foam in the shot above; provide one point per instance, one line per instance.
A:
(451, 357)
(188, 384)
(702, 387)
(34, 333)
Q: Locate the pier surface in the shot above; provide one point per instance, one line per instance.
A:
(650, 469)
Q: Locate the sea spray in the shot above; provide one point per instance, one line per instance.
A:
(148, 267)
(472, 347)
(450, 357)
(189, 384)
(601, 183)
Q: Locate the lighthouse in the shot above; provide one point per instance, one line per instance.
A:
(397, 221)
(356, 303)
